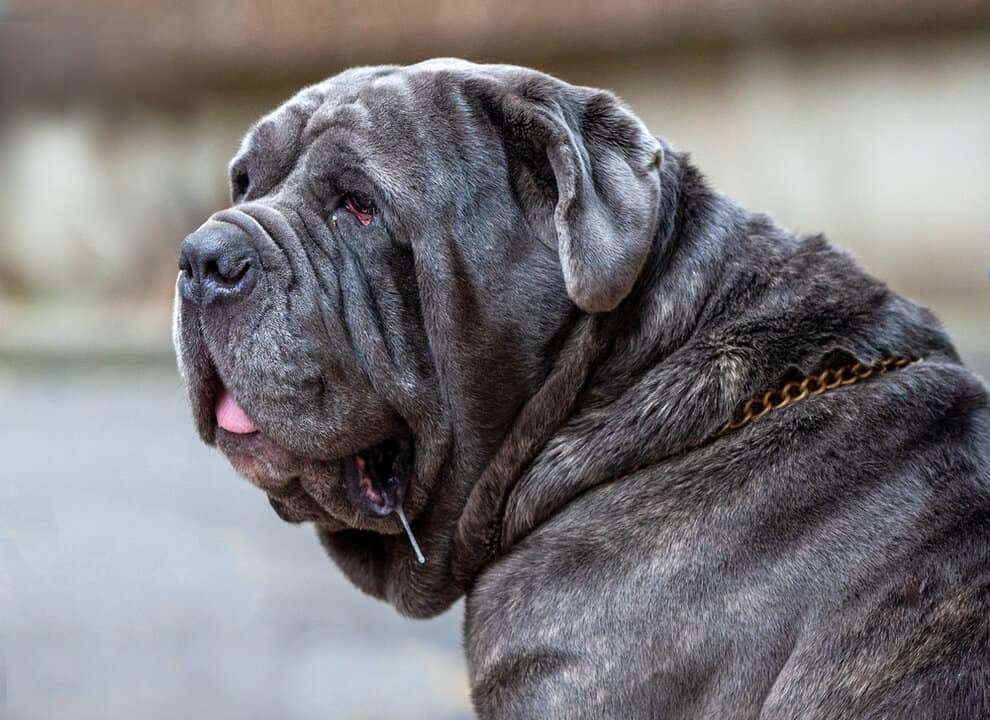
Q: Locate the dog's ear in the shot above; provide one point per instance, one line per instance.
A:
(586, 173)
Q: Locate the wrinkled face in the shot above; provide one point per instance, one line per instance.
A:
(406, 252)
(357, 330)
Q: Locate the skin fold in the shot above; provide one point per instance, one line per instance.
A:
(553, 306)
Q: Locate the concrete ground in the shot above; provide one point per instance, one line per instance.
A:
(140, 578)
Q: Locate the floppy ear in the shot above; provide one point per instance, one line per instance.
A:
(586, 172)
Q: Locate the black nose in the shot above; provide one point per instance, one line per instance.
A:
(216, 263)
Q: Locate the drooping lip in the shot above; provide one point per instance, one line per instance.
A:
(375, 478)
(327, 490)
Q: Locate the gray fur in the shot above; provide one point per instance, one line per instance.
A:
(550, 298)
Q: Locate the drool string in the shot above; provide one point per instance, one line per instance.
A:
(409, 532)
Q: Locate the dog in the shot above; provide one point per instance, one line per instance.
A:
(681, 462)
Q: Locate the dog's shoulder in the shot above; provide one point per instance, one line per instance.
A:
(845, 535)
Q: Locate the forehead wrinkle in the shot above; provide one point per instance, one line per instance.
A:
(376, 117)
(351, 115)
(340, 91)
(276, 139)
(375, 126)
(301, 106)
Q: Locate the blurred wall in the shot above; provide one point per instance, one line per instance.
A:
(870, 127)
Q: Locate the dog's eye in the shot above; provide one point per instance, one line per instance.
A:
(359, 207)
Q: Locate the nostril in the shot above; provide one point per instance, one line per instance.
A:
(226, 273)
(187, 279)
(238, 275)
(211, 270)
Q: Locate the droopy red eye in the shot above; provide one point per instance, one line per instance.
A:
(360, 208)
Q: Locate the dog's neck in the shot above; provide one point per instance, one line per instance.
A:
(727, 304)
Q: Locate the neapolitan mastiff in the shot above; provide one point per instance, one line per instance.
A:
(493, 300)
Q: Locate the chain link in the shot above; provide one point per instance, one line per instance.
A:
(796, 391)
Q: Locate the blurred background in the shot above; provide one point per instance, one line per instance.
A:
(138, 576)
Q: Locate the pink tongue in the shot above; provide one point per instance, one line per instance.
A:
(231, 416)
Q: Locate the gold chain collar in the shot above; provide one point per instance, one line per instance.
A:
(798, 390)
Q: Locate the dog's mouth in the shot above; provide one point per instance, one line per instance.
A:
(375, 478)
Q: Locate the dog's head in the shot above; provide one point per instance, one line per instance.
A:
(405, 251)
